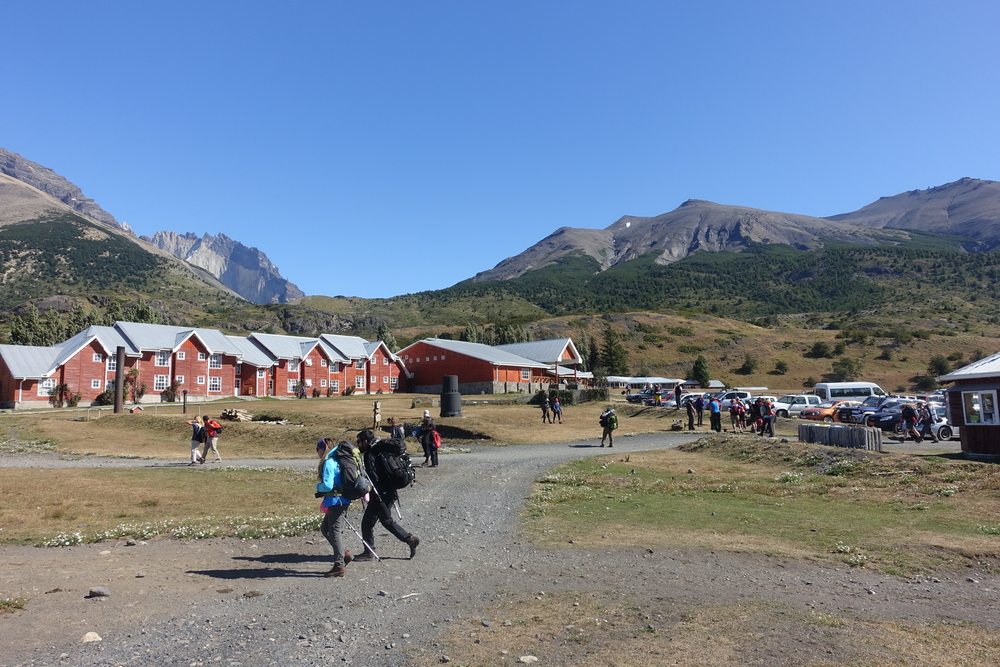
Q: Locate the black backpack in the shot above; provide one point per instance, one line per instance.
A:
(353, 484)
(393, 468)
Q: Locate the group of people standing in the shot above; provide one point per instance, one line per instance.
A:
(754, 416)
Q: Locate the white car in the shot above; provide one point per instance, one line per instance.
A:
(792, 404)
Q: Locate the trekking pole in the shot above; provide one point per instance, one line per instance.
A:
(367, 546)
(395, 503)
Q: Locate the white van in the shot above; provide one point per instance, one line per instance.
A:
(847, 391)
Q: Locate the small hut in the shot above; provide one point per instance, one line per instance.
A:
(972, 405)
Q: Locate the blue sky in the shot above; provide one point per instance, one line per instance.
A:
(382, 148)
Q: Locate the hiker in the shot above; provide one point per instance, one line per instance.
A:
(198, 436)
(909, 414)
(396, 431)
(767, 418)
(546, 419)
(609, 421)
(426, 432)
(715, 414)
(734, 415)
(927, 421)
(699, 406)
(333, 506)
(690, 411)
(212, 430)
(383, 495)
(678, 392)
(556, 409)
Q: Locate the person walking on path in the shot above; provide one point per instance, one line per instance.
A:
(546, 418)
(609, 421)
(909, 414)
(715, 414)
(556, 410)
(927, 419)
(212, 430)
(396, 431)
(426, 432)
(334, 506)
(382, 497)
(198, 437)
(699, 406)
(690, 411)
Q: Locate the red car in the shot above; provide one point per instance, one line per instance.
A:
(826, 412)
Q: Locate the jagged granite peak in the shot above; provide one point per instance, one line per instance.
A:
(694, 225)
(968, 207)
(246, 271)
(54, 185)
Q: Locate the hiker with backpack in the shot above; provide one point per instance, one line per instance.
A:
(335, 485)
(609, 421)
(430, 439)
(212, 430)
(546, 419)
(556, 410)
(198, 437)
(388, 468)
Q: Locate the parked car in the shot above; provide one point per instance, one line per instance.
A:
(726, 399)
(892, 420)
(826, 411)
(640, 396)
(792, 404)
(860, 414)
(693, 396)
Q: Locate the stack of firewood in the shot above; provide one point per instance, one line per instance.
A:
(235, 415)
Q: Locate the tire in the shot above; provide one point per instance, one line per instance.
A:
(898, 428)
(783, 414)
(828, 419)
(944, 433)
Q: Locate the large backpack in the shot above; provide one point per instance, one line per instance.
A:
(613, 421)
(392, 465)
(353, 485)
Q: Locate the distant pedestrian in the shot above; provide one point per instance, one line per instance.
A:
(715, 414)
(678, 390)
(396, 431)
(557, 409)
(609, 422)
(198, 437)
(429, 439)
(767, 418)
(699, 406)
(909, 414)
(927, 419)
(691, 415)
(546, 418)
(212, 430)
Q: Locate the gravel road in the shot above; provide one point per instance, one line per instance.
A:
(265, 602)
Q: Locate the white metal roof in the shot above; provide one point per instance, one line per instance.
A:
(29, 362)
(250, 353)
(493, 355)
(146, 337)
(285, 347)
(986, 367)
(544, 351)
(349, 347)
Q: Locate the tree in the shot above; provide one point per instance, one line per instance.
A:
(584, 351)
(142, 312)
(386, 337)
(614, 358)
(699, 372)
(845, 370)
(25, 329)
(781, 367)
(749, 365)
(820, 349)
(938, 365)
(594, 355)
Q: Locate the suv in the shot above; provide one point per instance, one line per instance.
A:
(792, 404)
(726, 397)
(640, 396)
(862, 414)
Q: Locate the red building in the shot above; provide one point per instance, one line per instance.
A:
(481, 369)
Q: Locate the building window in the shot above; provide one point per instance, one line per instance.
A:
(45, 387)
(309, 382)
(359, 382)
(385, 361)
(163, 358)
(359, 364)
(309, 362)
(112, 364)
(98, 357)
(260, 373)
(322, 362)
(201, 379)
(442, 357)
(160, 383)
(215, 361)
(201, 356)
(215, 383)
(95, 384)
(293, 366)
(181, 355)
(435, 357)
(335, 367)
(179, 379)
(239, 369)
(393, 382)
(335, 386)
(525, 374)
(322, 383)
(291, 386)
(385, 379)
(427, 358)
(980, 407)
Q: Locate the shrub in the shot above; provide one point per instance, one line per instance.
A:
(106, 397)
(749, 365)
(781, 367)
(845, 370)
(820, 349)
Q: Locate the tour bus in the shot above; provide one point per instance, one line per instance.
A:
(849, 391)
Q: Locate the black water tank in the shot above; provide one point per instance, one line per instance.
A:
(451, 400)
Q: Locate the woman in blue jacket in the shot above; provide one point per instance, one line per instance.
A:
(334, 506)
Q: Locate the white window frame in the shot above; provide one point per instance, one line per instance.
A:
(526, 374)
(202, 356)
(181, 355)
(442, 357)
(979, 408)
(309, 362)
(290, 387)
(161, 382)
(46, 386)
(201, 379)
(322, 383)
(215, 361)
(95, 384)
(359, 364)
(374, 380)
(359, 381)
(293, 365)
(214, 383)
(112, 364)
(239, 369)
(98, 358)
(162, 359)
(179, 378)
(385, 361)
(335, 386)
(261, 373)
(385, 379)
(393, 382)
(334, 367)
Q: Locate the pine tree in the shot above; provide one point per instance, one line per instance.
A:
(113, 314)
(24, 329)
(613, 355)
(699, 372)
(141, 312)
(386, 337)
(471, 333)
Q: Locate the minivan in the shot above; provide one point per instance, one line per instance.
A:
(843, 391)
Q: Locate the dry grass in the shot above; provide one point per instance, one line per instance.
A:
(605, 629)
(895, 512)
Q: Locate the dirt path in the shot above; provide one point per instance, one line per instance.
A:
(232, 602)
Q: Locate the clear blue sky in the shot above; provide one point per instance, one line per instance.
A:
(383, 148)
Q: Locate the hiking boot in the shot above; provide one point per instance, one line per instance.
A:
(347, 558)
(414, 541)
(337, 571)
(364, 557)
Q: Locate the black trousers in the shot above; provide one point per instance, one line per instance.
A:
(716, 421)
(381, 512)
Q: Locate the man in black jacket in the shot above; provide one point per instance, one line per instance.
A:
(382, 496)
